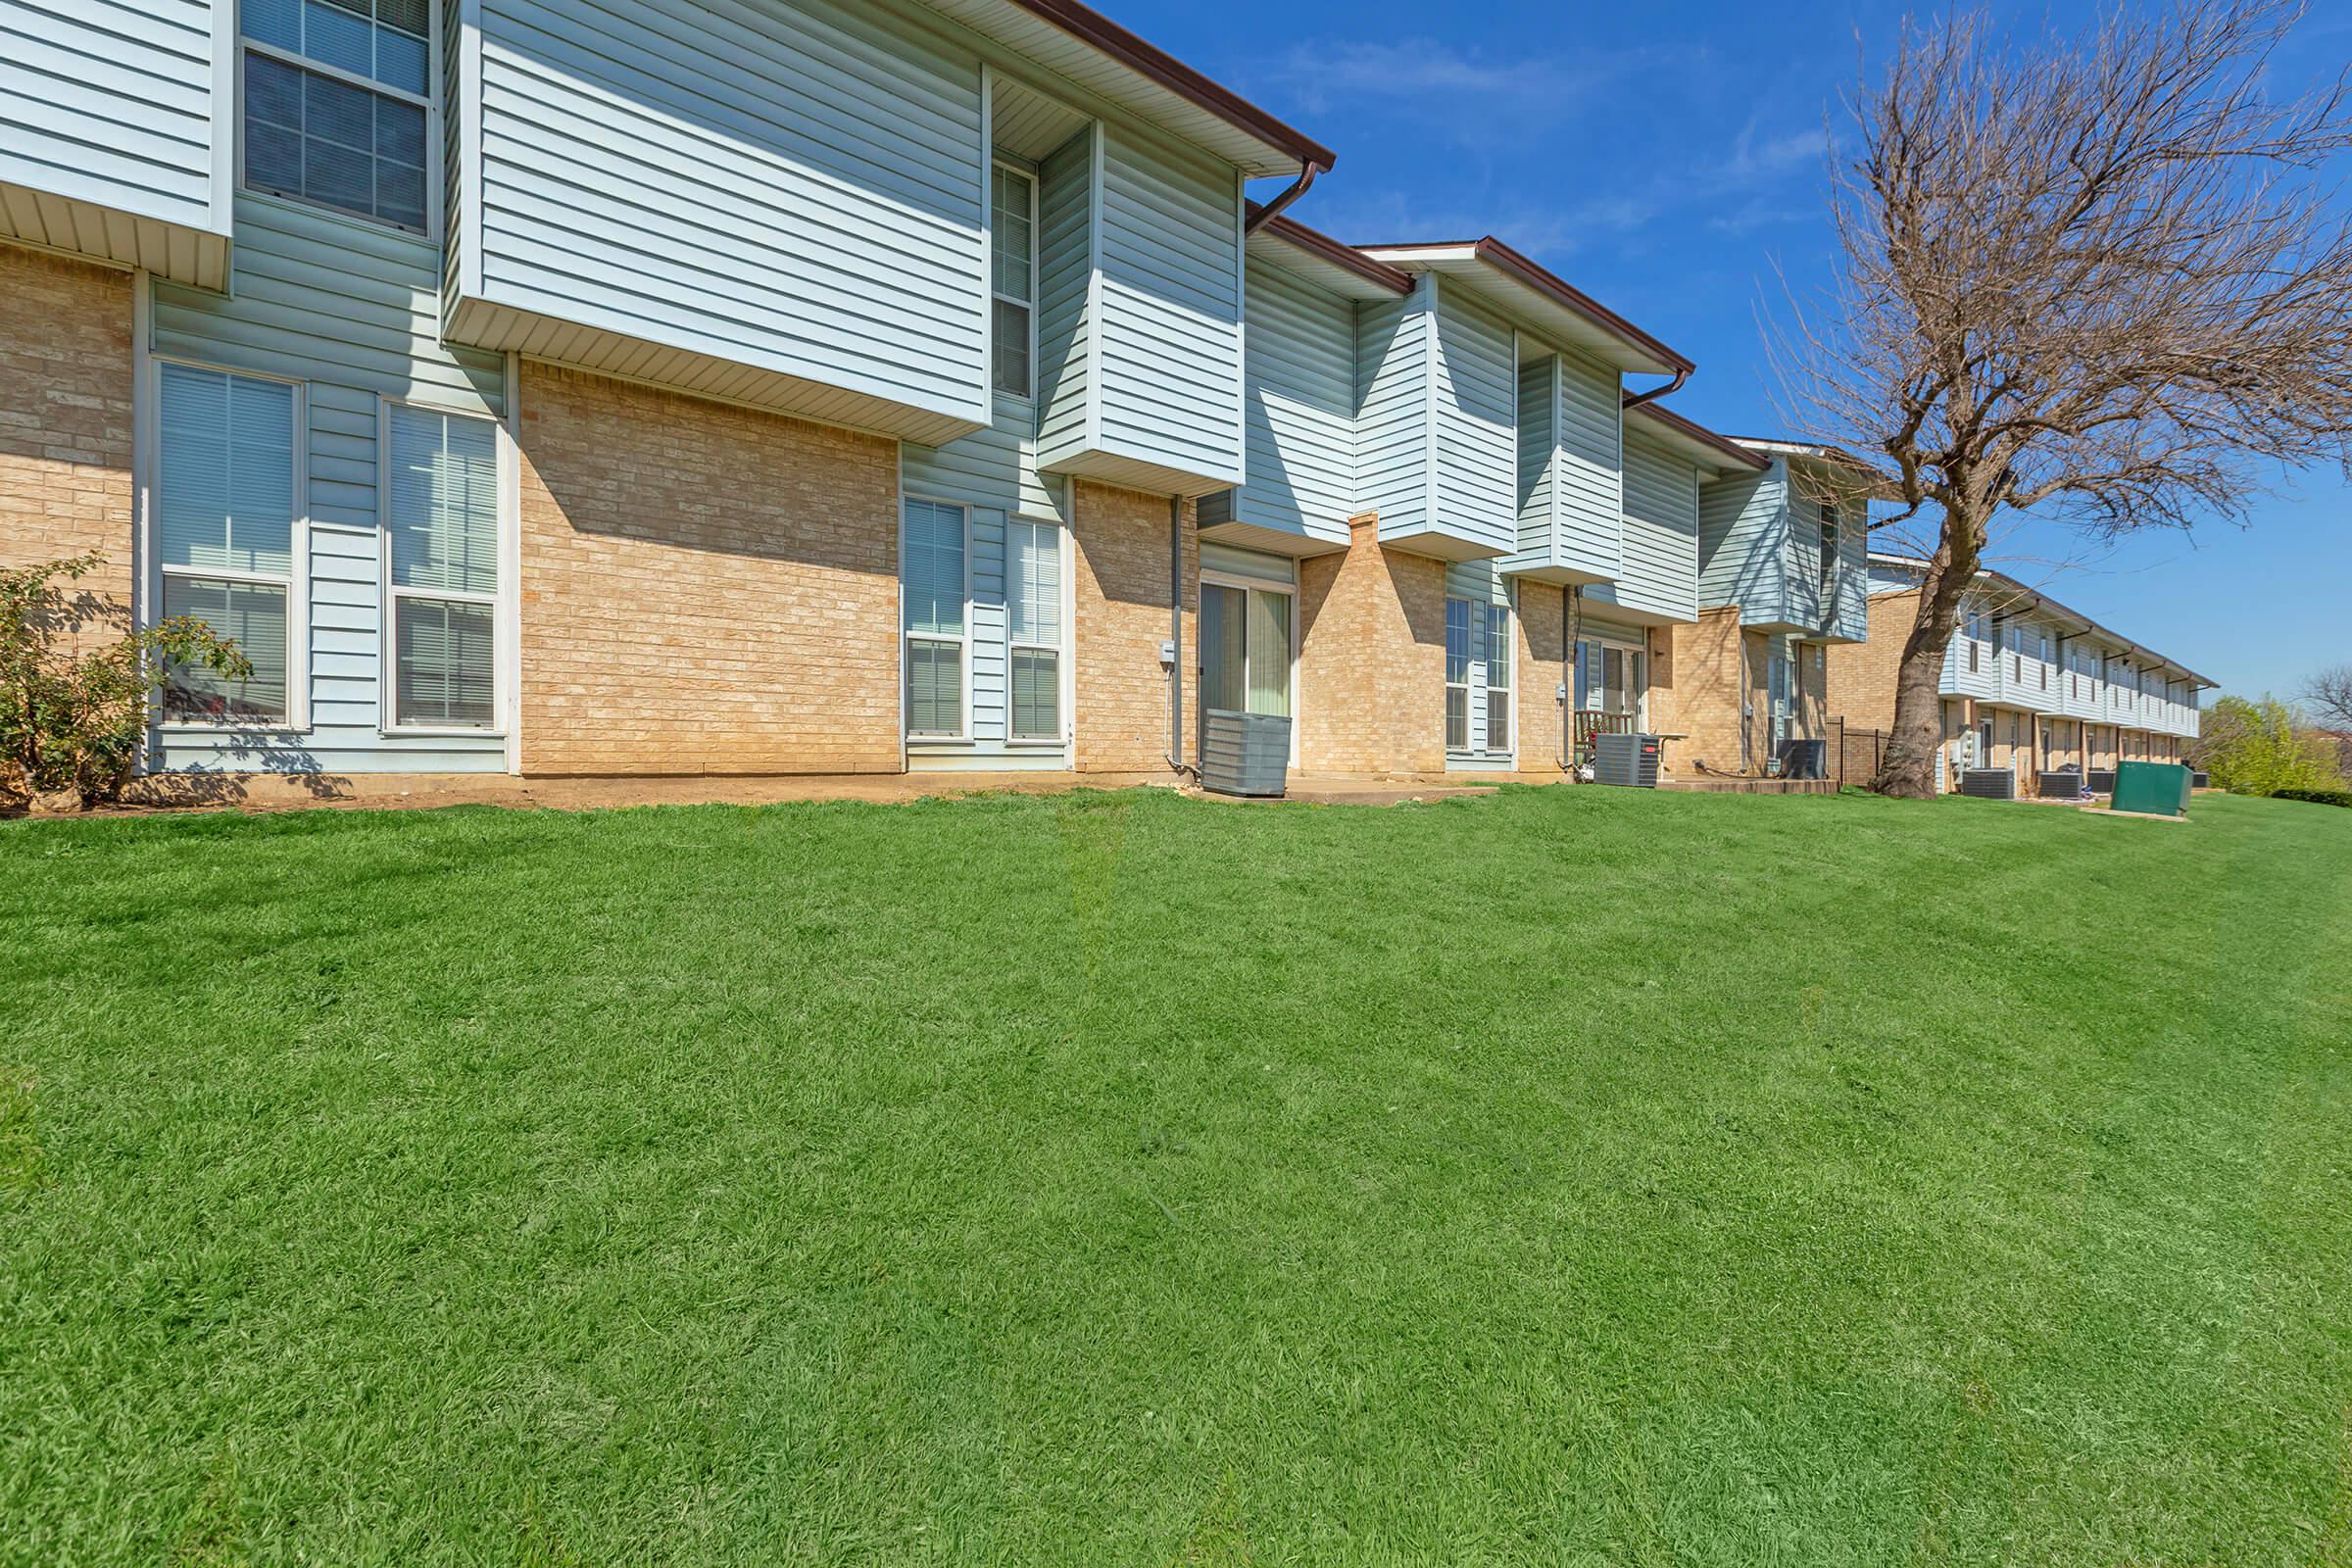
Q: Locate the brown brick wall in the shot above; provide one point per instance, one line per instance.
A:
(65, 422)
(1714, 663)
(1372, 667)
(1120, 539)
(1543, 621)
(705, 589)
(1862, 674)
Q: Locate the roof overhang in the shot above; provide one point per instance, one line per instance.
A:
(1318, 257)
(1082, 45)
(1694, 441)
(1559, 313)
(2035, 601)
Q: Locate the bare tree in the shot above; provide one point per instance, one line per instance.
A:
(2329, 694)
(2095, 275)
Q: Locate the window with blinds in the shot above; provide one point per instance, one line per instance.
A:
(1457, 674)
(440, 484)
(337, 95)
(933, 593)
(1033, 629)
(224, 537)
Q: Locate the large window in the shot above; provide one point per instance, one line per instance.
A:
(1014, 243)
(1478, 677)
(1499, 678)
(441, 567)
(936, 637)
(1033, 629)
(337, 99)
(224, 537)
(1828, 551)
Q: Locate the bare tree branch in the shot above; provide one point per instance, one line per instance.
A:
(2099, 275)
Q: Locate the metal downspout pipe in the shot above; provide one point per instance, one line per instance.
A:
(1291, 193)
(1175, 751)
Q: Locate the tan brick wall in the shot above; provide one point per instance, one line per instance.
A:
(1543, 622)
(1714, 664)
(1120, 541)
(1862, 676)
(65, 423)
(1372, 667)
(705, 589)
(1812, 688)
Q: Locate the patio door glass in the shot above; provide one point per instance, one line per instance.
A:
(1245, 649)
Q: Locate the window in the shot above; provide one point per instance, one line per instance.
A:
(1245, 649)
(337, 94)
(441, 567)
(1014, 243)
(1499, 678)
(224, 537)
(1828, 550)
(1457, 674)
(933, 597)
(1033, 629)
(1974, 649)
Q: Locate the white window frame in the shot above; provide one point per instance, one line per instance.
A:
(503, 696)
(296, 582)
(1510, 692)
(1474, 669)
(1063, 683)
(430, 103)
(1028, 178)
(907, 637)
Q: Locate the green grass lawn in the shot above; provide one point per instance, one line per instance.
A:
(1574, 1176)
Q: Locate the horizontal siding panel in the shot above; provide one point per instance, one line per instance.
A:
(110, 103)
(1590, 467)
(1659, 570)
(1744, 522)
(793, 187)
(1391, 427)
(1476, 397)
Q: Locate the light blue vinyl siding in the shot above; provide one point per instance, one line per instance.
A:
(1743, 541)
(351, 309)
(1571, 470)
(1590, 466)
(1392, 426)
(993, 468)
(1848, 617)
(1477, 393)
(791, 186)
(1169, 350)
(1538, 475)
(1659, 575)
(121, 105)
(1438, 437)
(1299, 413)
(1066, 248)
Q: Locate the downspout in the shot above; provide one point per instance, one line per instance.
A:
(1572, 628)
(1175, 751)
(1680, 377)
(1295, 189)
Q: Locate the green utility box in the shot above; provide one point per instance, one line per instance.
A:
(2160, 789)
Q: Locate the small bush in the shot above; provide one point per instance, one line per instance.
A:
(2316, 797)
(72, 722)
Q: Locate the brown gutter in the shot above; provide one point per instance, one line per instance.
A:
(1323, 247)
(1496, 254)
(1258, 216)
(1636, 400)
(1090, 27)
(1704, 436)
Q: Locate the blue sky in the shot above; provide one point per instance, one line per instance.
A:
(1667, 159)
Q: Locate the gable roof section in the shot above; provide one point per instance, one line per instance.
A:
(1080, 44)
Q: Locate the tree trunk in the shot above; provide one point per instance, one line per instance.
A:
(1909, 772)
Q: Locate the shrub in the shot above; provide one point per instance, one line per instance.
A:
(2317, 797)
(72, 720)
(2257, 748)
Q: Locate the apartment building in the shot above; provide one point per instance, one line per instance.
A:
(2028, 684)
(840, 387)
